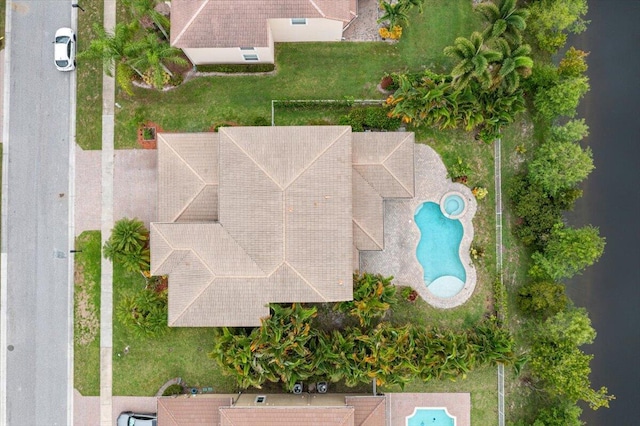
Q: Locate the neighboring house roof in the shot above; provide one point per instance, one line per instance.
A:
(201, 411)
(243, 23)
(278, 223)
(286, 409)
(279, 416)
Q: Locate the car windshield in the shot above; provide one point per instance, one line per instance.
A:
(62, 39)
(62, 63)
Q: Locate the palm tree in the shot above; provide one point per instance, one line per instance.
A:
(128, 244)
(515, 63)
(145, 9)
(504, 20)
(395, 13)
(151, 56)
(475, 61)
(112, 48)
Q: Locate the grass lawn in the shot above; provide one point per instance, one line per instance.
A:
(150, 362)
(89, 77)
(86, 361)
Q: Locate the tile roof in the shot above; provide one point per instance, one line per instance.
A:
(369, 410)
(243, 23)
(287, 416)
(181, 411)
(290, 212)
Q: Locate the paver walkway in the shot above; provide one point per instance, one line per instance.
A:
(401, 235)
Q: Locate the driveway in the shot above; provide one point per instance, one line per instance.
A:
(135, 185)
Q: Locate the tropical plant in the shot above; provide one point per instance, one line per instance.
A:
(516, 63)
(373, 295)
(114, 49)
(475, 61)
(128, 245)
(505, 20)
(154, 53)
(144, 313)
(146, 9)
(394, 13)
(479, 192)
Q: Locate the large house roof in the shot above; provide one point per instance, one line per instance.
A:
(256, 215)
(243, 23)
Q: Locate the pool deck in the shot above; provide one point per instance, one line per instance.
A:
(401, 235)
(401, 405)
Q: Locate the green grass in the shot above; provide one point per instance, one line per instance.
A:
(424, 39)
(86, 361)
(3, 12)
(89, 77)
(150, 362)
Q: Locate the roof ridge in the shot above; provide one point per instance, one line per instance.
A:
(168, 411)
(408, 136)
(368, 234)
(188, 24)
(186, 206)
(372, 411)
(246, 153)
(285, 262)
(153, 225)
(196, 297)
(312, 162)
(313, 3)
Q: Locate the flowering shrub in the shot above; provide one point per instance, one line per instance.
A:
(479, 192)
(394, 34)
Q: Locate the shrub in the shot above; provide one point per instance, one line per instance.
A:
(128, 245)
(260, 121)
(236, 68)
(373, 117)
(144, 313)
(173, 390)
(459, 170)
(479, 192)
(542, 299)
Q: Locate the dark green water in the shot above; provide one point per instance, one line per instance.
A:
(610, 290)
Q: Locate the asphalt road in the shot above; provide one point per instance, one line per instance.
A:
(37, 301)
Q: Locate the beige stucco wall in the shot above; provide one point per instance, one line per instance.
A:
(316, 29)
(228, 55)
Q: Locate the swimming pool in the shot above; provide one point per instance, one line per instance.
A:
(438, 250)
(431, 417)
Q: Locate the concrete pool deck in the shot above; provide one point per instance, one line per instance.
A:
(401, 235)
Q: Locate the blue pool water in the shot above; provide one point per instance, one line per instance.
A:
(454, 205)
(438, 249)
(430, 417)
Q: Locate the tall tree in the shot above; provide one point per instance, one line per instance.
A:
(558, 166)
(152, 56)
(146, 9)
(560, 365)
(395, 13)
(113, 48)
(516, 63)
(504, 19)
(551, 20)
(562, 98)
(475, 61)
(568, 252)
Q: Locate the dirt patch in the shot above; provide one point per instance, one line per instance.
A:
(87, 324)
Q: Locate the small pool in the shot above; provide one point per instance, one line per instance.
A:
(431, 417)
(452, 205)
(438, 250)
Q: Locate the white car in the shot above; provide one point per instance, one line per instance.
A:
(65, 49)
(132, 419)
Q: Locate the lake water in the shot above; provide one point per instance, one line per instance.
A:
(610, 289)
